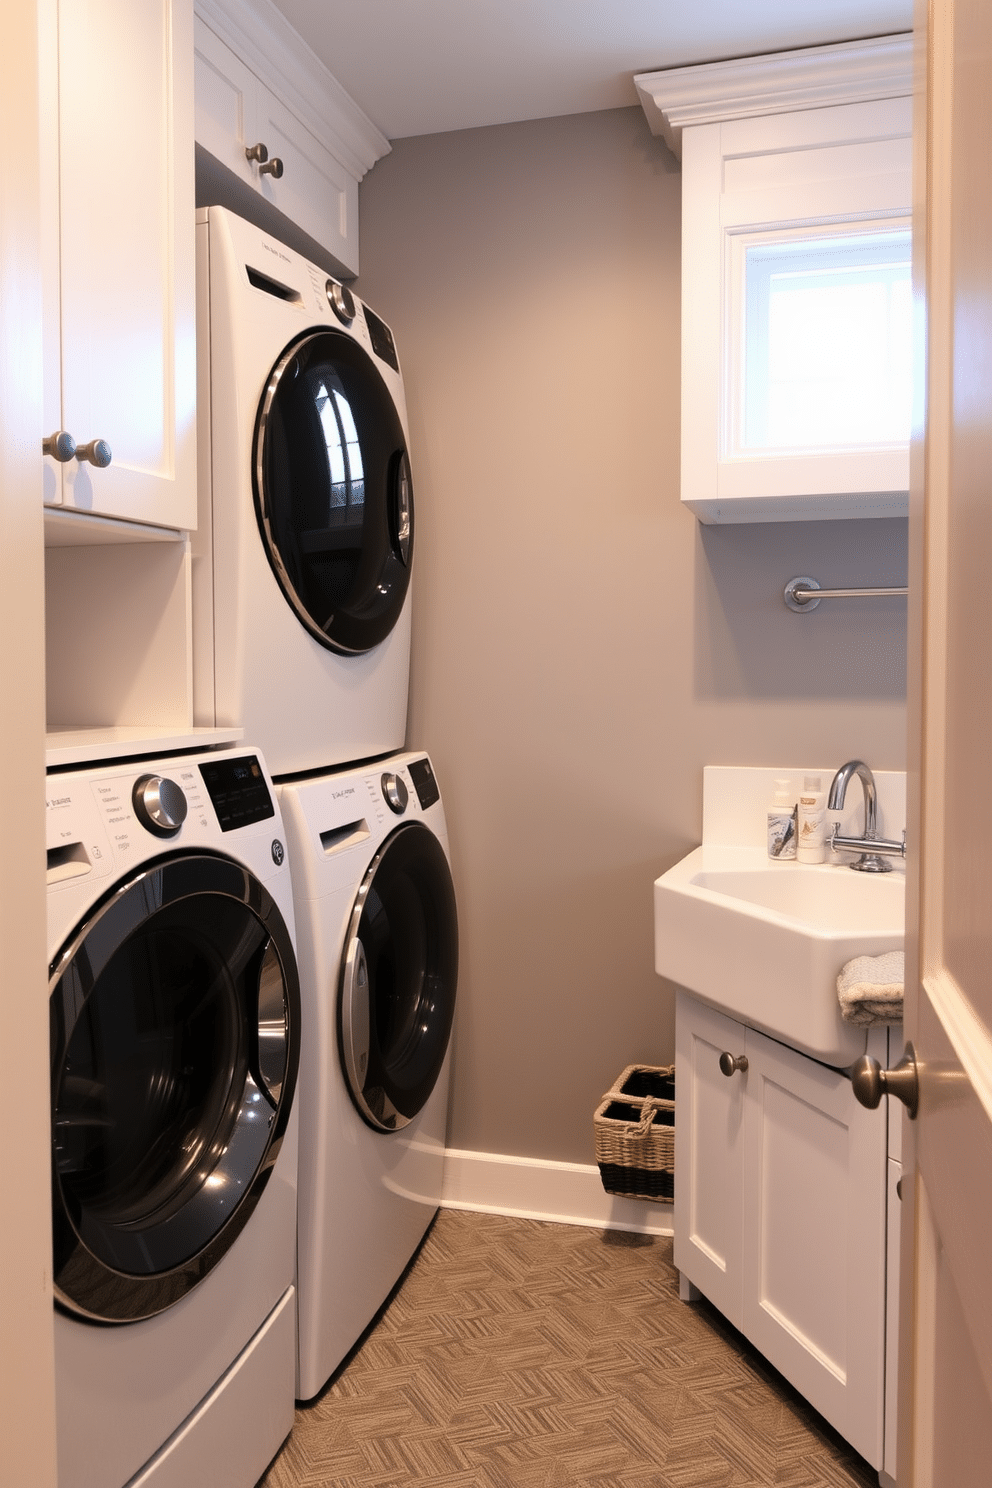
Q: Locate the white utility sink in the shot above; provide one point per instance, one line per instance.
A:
(764, 941)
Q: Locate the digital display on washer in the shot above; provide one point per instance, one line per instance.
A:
(424, 783)
(382, 339)
(238, 791)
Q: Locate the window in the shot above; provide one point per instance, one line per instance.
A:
(827, 344)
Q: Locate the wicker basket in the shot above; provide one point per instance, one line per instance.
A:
(635, 1134)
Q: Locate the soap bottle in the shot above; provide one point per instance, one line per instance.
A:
(812, 842)
(782, 822)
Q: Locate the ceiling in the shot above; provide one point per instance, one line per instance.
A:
(427, 66)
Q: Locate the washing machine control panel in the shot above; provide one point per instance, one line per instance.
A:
(238, 791)
(159, 804)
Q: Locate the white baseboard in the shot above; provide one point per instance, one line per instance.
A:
(559, 1192)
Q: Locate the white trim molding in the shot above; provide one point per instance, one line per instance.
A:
(261, 36)
(557, 1192)
(777, 83)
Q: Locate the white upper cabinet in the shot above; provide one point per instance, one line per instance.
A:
(796, 286)
(118, 242)
(273, 116)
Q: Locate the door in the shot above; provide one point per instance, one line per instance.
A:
(120, 356)
(398, 979)
(332, 487)
(175, 1016)
(946, 1316)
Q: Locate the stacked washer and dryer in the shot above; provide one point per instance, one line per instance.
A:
(252, 974)
(302, 636)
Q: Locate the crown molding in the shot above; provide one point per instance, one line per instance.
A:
(778, 83)
(261, 36)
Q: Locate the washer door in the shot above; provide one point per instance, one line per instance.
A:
(398, 979)
(333, 493)
(175, 1015)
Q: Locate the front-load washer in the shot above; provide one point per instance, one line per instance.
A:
(378, 947)
(302, 557)
(175, 1034)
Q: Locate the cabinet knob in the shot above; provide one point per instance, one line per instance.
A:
(730, 1063)
(60, 445)
(257, 152)
(271, 168)
(870, 1082)
(97, 452)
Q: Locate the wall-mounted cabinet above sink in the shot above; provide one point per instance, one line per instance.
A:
(796, 300)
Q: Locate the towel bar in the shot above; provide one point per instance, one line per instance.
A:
(805, 593)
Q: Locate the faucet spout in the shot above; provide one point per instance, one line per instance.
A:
(874, 849)
(838, 790)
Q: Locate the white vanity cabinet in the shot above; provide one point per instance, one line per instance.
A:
(780, 1213)
(119, 261)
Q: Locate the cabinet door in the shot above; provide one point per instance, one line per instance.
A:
(225, 102)
(709, 1152)
(235, 110)
(814, 1236)
(315, 191)
(127, 255)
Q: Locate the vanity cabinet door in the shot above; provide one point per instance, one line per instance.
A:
(709, 1155)
(814, 1236)
(780, 1212)
(119, 256)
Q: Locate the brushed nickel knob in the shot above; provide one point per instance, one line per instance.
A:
(271, 168)
(159, 804)
(257, 152)
(97, 452)
(60, 445)
(730, 1063)
(871, 1082)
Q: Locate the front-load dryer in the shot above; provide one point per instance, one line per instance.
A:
(175, 1032)
(302, 557)
(378, 948)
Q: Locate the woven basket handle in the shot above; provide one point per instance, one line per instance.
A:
(650, 1105)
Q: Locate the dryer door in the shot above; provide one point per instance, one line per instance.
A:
(175, 1015)
(398, 979)
(333, 493)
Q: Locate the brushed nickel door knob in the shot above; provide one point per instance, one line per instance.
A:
(871, 1082)
(271, 168)
(257, 152)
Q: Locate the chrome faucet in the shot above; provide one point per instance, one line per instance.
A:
(872, 847)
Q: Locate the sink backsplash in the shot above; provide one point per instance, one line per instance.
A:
(736, 799)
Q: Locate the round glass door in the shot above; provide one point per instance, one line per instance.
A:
(175, 1018)
(398, 980)
(333, 492)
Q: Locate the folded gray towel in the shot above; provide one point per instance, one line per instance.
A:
(870, 988)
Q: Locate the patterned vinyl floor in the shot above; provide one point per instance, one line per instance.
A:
(518, 1354)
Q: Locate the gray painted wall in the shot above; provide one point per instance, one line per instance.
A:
(582, 647)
